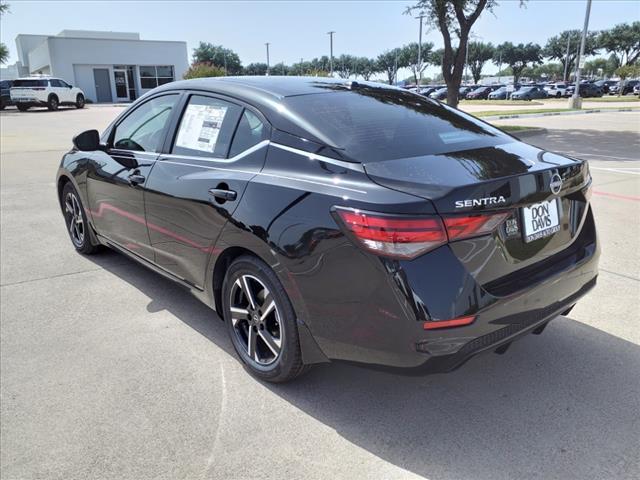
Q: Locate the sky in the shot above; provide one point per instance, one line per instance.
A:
(298, 29)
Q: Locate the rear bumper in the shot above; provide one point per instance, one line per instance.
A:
(386, 329)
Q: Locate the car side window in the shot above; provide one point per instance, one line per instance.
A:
(143, 129)
(206, 127)
(55, 83)
(250, 132)
(63, 84)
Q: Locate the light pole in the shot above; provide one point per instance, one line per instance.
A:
(575, 100)
(331, 51)
(419, 80)
(267, 45)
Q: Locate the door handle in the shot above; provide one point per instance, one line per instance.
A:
(224, 195)
(136, 178)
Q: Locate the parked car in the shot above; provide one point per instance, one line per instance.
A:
(45, 92)
(605, 85)
(5, 96)
(440, 94)
(316, 230)
(627, 88)
(587, 89)
(555, 89)
(480, 93)
(528, 93)
(426, 91)
(499, 94)
(462, 92)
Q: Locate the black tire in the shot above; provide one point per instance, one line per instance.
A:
(80, 101)
(53, 103)
(2, 104)
(558, 95)
(22, 108)
(280, 323)
(75, 216)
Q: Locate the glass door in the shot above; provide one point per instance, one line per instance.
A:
(122, 85)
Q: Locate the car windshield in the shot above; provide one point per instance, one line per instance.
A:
(500, 90)
(371, 124)
(30, 83)
(480, 90)
(526, 89)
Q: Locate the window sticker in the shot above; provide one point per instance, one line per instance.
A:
(200, 127)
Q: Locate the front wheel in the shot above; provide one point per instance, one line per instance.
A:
(76, 221)
(80, 101)
(52, 103)
(261, 321)
(23, 108)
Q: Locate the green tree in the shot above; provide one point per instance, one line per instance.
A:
(623, 41)
(389, 62)
(345, 65)
(607, 65)
(281, 69)
(556, 48)
(454, 18)
(479, 54)
(518, 57)
(219, 56)
(365, 67)
(410, 57)
(255, 69)
(203, 70)
(4, 50)
(627, 71)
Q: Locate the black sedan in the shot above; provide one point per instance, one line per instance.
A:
(587, 89)
(327, 220)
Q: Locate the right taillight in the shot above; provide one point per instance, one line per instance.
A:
(405, 236)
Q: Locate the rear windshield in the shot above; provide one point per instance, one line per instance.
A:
(30, 83)
(373, 124)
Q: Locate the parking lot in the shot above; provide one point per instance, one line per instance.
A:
(110, 371)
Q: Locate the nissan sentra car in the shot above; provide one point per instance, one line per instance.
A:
(326, 220)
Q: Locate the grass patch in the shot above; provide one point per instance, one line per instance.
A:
(500, 102)
(491, 113)
(604, 99)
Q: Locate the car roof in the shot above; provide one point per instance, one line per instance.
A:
(269, 86)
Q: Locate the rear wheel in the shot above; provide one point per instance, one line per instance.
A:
(80, 101)
(261, 321)
(52, 103)
(23, 108)
(76, 220)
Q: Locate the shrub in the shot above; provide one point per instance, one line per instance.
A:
(203, 70)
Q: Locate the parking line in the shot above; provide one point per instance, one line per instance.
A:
(633, 198)
(617, 170)
(603, 156)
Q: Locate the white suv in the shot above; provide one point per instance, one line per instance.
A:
(46, 92)
(556, 89)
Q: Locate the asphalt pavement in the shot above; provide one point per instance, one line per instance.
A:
(110, 371)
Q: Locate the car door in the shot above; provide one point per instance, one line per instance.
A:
(218, 146)
(116, 178)
(66, 92)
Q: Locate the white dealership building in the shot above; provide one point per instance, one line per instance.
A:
(107, 66)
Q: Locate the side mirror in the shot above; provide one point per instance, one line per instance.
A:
(87, 141)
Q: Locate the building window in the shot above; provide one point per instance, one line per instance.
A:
(152, 76)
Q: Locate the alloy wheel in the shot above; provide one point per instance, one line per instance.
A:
(256, 320)
(75, 221)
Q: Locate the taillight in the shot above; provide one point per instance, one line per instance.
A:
(455, 322)
(405, 236)
(397, 236)
(468, 226)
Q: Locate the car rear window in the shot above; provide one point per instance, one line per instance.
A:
(30, 83)
(373, 124)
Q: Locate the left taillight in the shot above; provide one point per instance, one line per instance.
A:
(407, 237)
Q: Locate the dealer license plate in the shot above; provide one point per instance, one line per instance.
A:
(540, 220)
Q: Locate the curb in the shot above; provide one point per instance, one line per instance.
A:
(570, 112)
